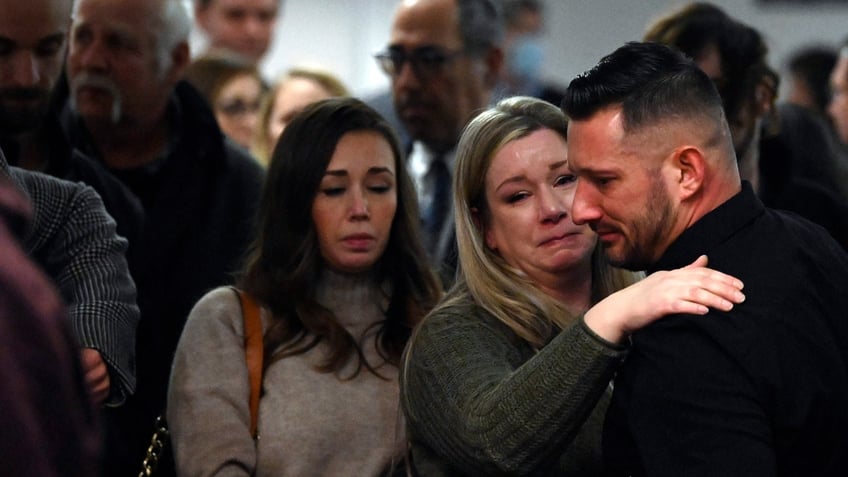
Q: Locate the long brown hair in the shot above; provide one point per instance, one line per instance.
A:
(285, 263)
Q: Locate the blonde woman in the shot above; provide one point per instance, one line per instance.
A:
(299, 88)
(510, 373)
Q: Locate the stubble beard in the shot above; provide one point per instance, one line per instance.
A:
(14, 121)
(649, 232)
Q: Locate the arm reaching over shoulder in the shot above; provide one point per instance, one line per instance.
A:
(692, 289)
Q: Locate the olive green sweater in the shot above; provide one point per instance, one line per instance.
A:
(480, 401)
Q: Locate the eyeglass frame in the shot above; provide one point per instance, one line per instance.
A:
(393, 59)
(238, 108)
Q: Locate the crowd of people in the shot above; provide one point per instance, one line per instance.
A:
(481, 273)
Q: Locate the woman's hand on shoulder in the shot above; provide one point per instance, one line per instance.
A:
(692, 289)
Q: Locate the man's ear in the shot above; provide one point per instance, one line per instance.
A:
(764, 97)
(180, 59)
(690, 168)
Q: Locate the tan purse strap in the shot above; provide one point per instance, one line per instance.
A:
(253, 354)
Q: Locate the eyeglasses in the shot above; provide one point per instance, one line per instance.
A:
(425, 62)
(237, 107)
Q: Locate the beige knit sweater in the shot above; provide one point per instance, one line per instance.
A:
(310, 423)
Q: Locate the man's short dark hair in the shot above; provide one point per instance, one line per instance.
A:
(813, 66)
(651, 83)
(480, 25)
(512, 10)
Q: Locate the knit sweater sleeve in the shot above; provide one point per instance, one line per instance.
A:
(483, 402)
(208, 412)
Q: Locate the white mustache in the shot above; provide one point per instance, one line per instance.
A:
(91, 80)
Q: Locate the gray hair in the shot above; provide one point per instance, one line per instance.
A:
(172, 26)
(480, 25)
(206, 3)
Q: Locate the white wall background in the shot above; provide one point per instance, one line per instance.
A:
(342, 35)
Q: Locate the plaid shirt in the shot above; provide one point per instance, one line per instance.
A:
(73, 238)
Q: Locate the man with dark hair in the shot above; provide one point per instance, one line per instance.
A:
(760, 389)
(242, 27)
(785, 152)
(838, 106)
(524, 22)
(809, 74)
(444, 58)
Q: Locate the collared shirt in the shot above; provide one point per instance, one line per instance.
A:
(418, 164)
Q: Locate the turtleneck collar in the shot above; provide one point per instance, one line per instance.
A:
(356, 299)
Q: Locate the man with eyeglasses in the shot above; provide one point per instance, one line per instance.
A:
(444, 58)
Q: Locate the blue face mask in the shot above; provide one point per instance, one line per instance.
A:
(524, 60)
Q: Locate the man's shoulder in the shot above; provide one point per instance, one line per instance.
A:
(240, 160)
(43, 189)
(202, 138)
(793, 230)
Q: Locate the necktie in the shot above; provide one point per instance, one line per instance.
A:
(433, 216)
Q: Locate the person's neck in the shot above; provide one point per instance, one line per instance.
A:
(749, 166)
(31, 151)
(572, 288)
(719, 186)
(128, 145)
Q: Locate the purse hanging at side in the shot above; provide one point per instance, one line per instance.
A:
(254, 356)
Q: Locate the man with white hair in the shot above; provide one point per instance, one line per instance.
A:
(130, 111)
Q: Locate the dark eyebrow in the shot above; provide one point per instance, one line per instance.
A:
(381, 170)
(371, 171)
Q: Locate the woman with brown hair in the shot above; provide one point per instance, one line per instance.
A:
(234, 91)
(342, 279)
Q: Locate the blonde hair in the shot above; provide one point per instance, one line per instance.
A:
(483, 275)
(262, 147)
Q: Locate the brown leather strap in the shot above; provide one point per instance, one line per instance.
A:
(253, 354)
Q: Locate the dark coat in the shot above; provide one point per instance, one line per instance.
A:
(49, 425)
(199, 203)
